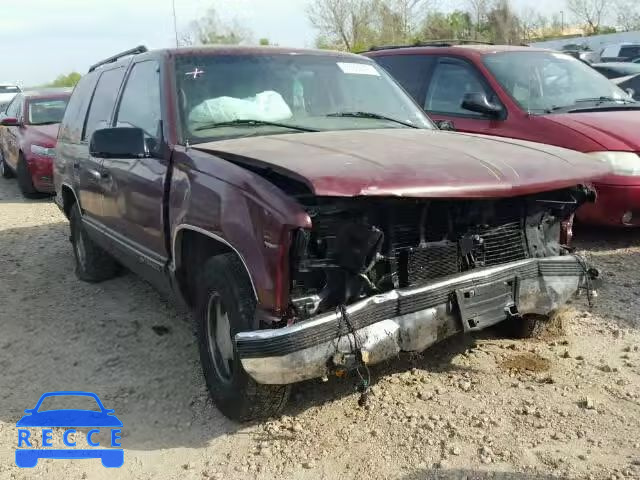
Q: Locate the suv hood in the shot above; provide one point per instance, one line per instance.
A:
(411, 163)
(617, 130)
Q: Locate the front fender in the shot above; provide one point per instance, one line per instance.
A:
(242, 210)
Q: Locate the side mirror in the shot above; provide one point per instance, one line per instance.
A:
(118, 142)
(445, 125)
(10, 122)
(478, 102)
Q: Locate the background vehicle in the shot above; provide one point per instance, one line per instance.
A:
(7, 92)
(630, 84)
(536, 95)
(617, 69)
(28, 132)
(581, 52)
(308, 211)
(622, 52)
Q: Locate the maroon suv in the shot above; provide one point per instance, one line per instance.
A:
(309, 212)
(28, 131)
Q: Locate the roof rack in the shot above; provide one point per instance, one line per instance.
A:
(118, 56)
(431, 43)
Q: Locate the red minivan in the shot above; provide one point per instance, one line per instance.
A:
(531, 94)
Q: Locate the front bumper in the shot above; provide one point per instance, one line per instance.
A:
(617, 206)
(41, 170)
(410, 319)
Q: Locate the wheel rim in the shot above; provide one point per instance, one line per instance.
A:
(81, 249)
(219, 342)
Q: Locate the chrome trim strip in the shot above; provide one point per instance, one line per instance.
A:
(135, 248)
(186, 226)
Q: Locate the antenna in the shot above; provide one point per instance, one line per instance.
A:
(175, 21)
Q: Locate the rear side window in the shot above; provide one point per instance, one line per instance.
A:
(140, 103)
(410, 71)
(76, 111)
(630, 51)
(103, 101)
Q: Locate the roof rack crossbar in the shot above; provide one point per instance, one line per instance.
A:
(431, 43)
(118, 56)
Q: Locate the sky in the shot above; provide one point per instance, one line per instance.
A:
(41, 39)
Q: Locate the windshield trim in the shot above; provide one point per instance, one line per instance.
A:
(506, 91)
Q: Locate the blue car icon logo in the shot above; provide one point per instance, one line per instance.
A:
(69, 419)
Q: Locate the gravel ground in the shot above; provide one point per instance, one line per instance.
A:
(567, 406)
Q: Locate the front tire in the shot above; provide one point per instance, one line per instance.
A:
(5, 171)
(93, 264)
(25, 182)
(225, 305)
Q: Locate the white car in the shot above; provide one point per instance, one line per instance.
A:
(7, 92)
(621, 52)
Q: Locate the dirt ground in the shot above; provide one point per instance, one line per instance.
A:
(483, 407)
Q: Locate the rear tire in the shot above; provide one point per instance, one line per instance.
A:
(25, 181)
(5, 171)
(93, 264)
(225, 305)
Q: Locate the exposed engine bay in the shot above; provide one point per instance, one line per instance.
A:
(362, 246)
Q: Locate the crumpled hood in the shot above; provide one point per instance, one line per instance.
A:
(412, 163)
(617, 130)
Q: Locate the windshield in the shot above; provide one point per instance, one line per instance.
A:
(219, 95)
(46, 110)
(9, 89)
(541, 82)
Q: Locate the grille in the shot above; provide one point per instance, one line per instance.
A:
(431, 262)
(405, 226)
(503, 244)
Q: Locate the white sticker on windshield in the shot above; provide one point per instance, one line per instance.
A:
(358, 69)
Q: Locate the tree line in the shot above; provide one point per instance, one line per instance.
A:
(357, 25)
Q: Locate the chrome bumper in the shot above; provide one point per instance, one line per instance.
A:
(410, 319)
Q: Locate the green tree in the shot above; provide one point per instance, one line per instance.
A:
(456, 25)
(69, 80)
(211, 30)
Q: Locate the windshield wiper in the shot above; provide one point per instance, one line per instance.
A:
(376, 116)
(604, 99)
(252, 123)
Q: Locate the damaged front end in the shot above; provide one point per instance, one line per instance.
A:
(376, 275)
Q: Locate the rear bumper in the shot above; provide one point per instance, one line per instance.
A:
(410, 319)
(617, 206)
